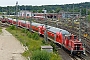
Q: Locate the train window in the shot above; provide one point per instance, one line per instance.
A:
(75, 37)
(70, 37)
(27, 14)
(77, 46)
(43, 30)
(67, 38)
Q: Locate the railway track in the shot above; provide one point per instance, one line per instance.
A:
(78, 58)
(65, 55)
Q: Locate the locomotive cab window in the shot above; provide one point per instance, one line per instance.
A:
(43, 30)
(75, 37)
(68, 37)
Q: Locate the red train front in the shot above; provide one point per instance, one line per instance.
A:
(73, 44)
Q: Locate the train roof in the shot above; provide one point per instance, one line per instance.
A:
(14, 19)
(55, 30)
(27, 22)
(22, 21)
(36, 24)
(10, 18)
(1, 17)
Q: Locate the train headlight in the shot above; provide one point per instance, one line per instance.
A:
(78, 52)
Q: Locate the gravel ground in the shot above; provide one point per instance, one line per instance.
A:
(10, 47)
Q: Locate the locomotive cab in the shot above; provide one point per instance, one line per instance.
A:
(73, 44)
(78, 47)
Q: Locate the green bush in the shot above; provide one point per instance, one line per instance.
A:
(54, 46)
(29, 34)
(23, 30)
(43, 41)
(12, 27)
(40, 55)
(35, 36)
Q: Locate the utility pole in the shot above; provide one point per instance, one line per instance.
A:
(16, 14)
(31, 22)
(53, 14)
(9, 11)
(19, 10)
(86, 20)
(80, 26)
(25, 18)
(67, 13)
(45, 32)
(73, 17)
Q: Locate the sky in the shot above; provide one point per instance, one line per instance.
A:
(39, 2)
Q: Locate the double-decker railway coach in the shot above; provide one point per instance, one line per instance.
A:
(35, 26)
(4, 20)
(10, 21)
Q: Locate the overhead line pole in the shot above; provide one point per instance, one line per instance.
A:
(80, 26)
(45, 32)
(73, 17)
(53, 14)
(86, 20)
(16, 14)
(25, 19)
(31, 22)
(25, 27)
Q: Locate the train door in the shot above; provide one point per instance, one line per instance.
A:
(59, 38)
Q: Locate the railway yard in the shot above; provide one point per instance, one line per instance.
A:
(67, 25)
(52, 30)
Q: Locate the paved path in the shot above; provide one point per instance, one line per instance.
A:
(10, 47)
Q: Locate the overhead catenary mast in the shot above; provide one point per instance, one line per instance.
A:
(25, 18)
(73, 17)
(31, 22)
(80, 26)
(86, 20)
(16, 14)
(45, 33)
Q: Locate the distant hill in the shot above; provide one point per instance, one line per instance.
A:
(50, 8)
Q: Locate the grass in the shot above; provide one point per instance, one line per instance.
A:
(0, 30)
(32, 44)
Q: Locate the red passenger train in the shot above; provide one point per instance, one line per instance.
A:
(57, 35)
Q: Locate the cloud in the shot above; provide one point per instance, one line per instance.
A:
(38, 2)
